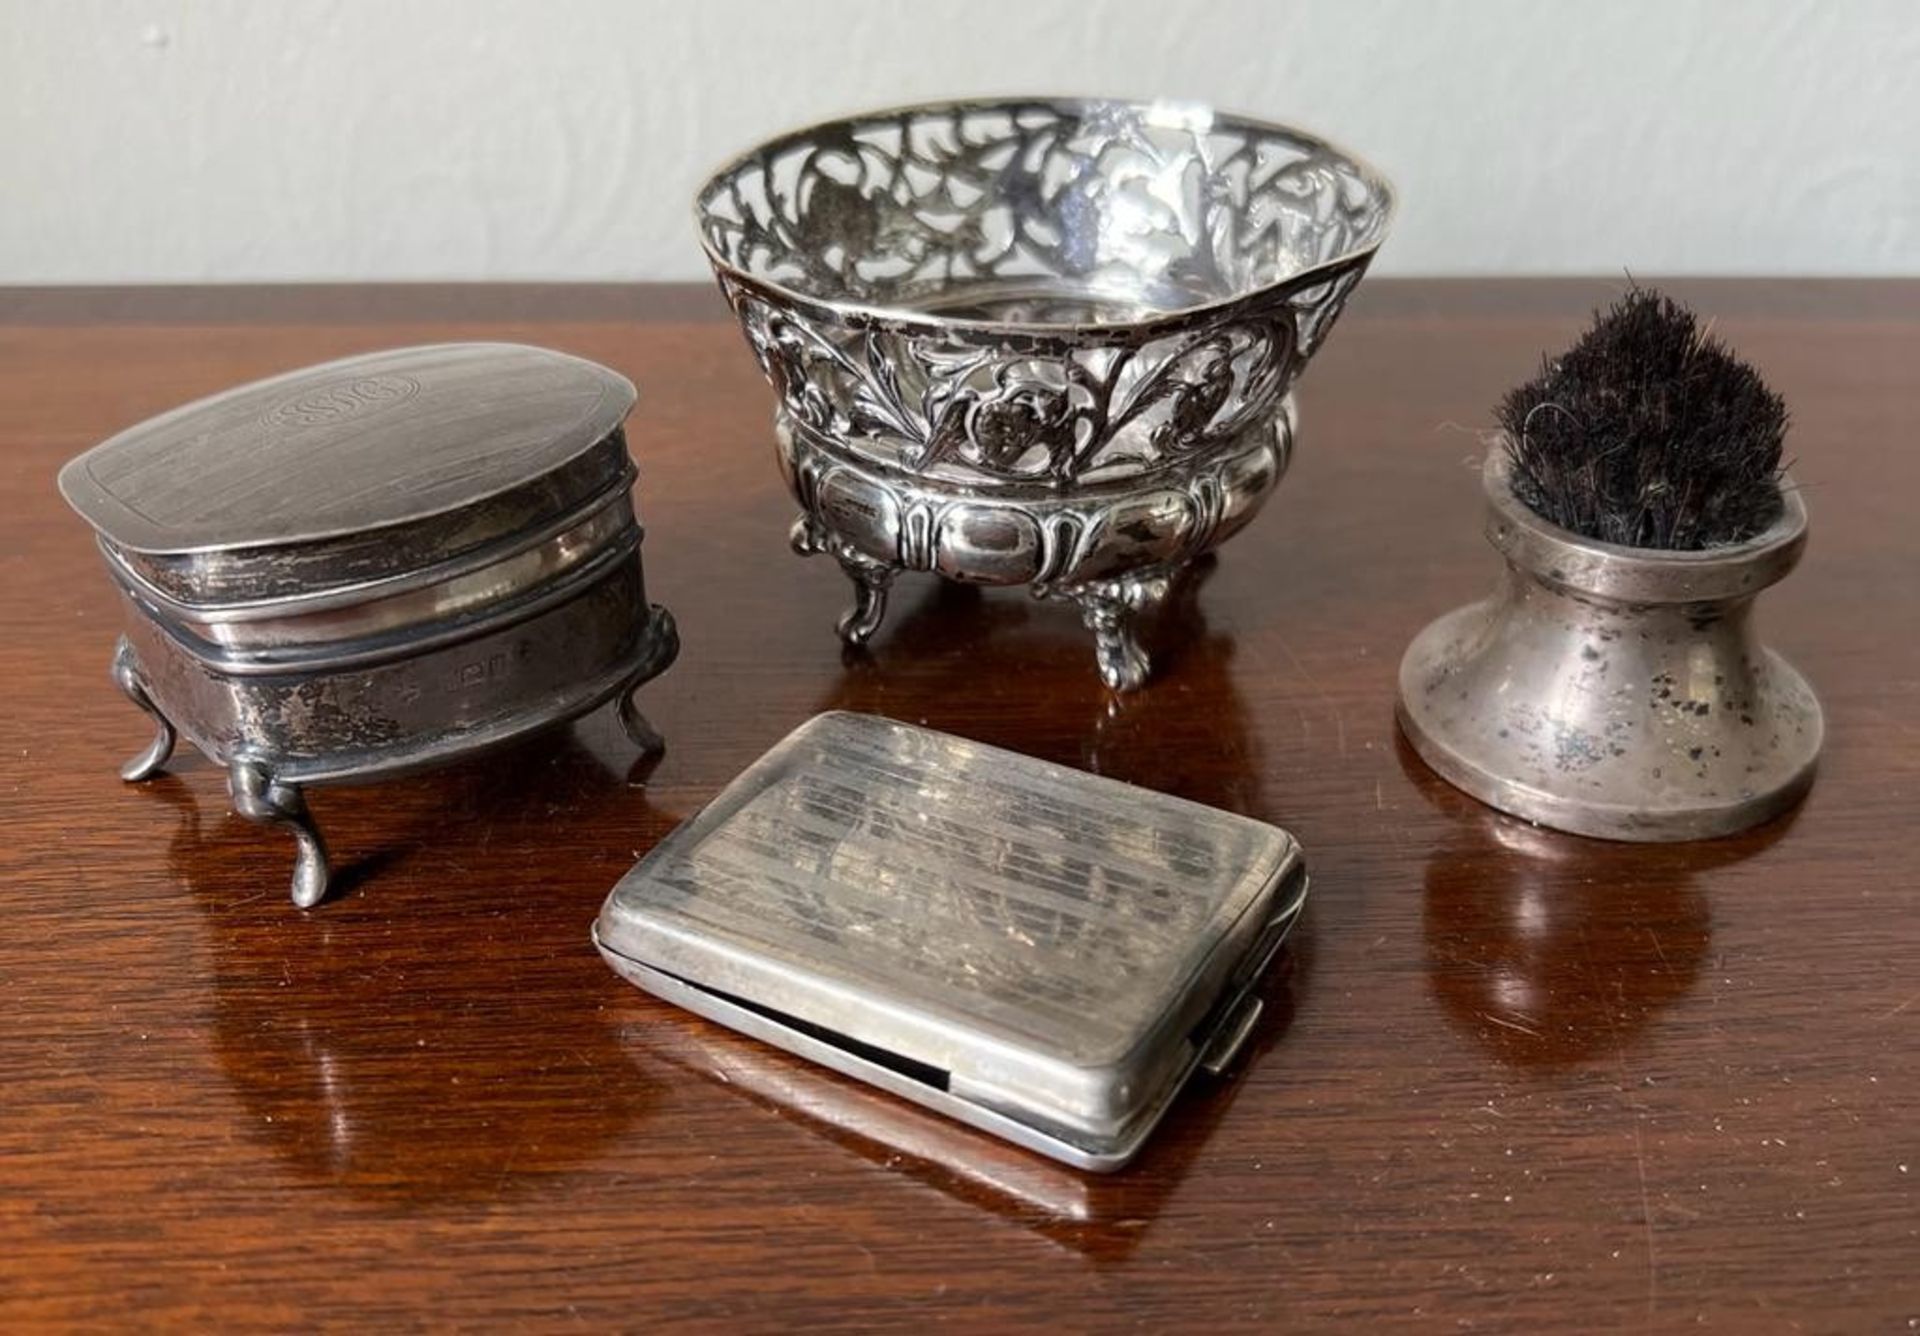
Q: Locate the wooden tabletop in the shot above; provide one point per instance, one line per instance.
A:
(1509, 1080)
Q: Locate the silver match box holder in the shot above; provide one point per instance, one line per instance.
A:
(374, 566)
(1042, 954)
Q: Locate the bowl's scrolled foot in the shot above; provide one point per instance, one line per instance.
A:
(858, 623)
(1112, 610)
(259, 796)
(871, 578)
(126, 675)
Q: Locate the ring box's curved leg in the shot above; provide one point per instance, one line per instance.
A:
(659, 647)
(258, 796)
(636, 725)
(126, 675)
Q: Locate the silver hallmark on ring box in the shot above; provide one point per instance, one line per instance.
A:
(1043, 954)
(375, 565)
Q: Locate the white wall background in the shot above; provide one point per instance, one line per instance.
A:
(196, 140)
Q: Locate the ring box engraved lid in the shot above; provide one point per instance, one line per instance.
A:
(1043, 954)
(375, 565)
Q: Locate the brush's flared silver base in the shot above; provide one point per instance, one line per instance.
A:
(1615, 692)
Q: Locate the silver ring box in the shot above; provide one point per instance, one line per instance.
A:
(1043, 954)
(373, 566)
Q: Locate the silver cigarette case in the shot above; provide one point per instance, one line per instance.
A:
(1043, 954)
(373, 566)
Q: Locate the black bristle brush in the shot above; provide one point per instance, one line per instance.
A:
(1648, 433)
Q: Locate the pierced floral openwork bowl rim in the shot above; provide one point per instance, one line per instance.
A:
(909, 318)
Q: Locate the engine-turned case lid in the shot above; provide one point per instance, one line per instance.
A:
(348, 471)
(1042, 953)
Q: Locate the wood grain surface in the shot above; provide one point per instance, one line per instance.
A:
(1510, 1080)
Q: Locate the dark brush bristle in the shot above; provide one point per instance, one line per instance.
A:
(1648, 433)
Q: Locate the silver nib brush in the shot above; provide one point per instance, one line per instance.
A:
(1612, 685)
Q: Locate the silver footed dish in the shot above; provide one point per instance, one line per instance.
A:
(1048, 342)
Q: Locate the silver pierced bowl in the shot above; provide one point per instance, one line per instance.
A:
(1047, 342)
